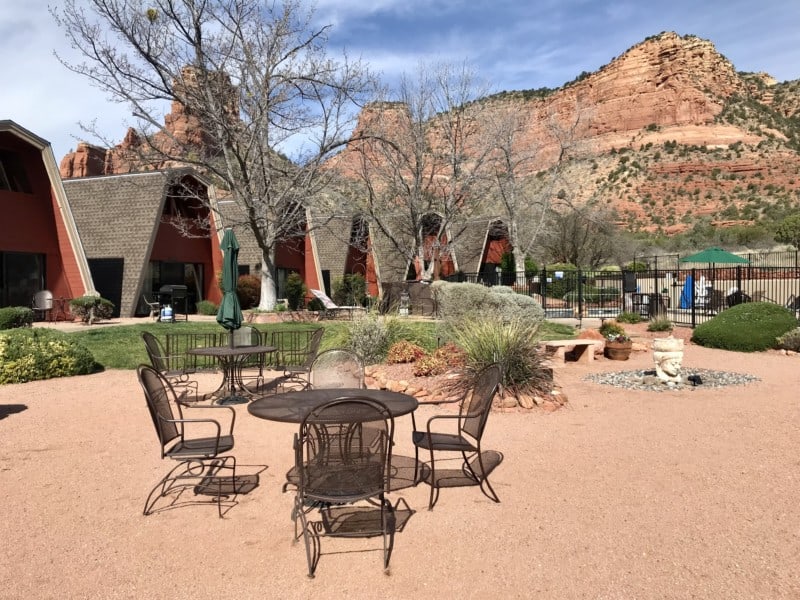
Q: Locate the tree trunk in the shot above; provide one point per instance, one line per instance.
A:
(269, 287)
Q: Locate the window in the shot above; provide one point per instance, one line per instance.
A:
(21, 276)
(12, 173)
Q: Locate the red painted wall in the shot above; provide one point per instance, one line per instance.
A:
(171, 246)
(495, 250)
(30, 223)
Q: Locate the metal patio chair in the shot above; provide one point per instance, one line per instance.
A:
(173, 368)
(469, 423)
(251, 367)
(296, 350)
(153, 305)
(336, 472)
(200, 459)
(332, 369)
(336, 368)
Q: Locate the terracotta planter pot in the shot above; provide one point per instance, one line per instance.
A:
(618, 350)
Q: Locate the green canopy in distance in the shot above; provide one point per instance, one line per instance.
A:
(715, 256)
(229, 314)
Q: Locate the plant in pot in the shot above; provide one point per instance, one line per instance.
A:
(618, 344)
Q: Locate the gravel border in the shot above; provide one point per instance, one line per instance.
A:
(647, 380)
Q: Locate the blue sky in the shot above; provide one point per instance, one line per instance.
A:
(511, 44)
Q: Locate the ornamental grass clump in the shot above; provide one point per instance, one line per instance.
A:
(514, 344)
(31, 354)
(659, 324)
(748, 327)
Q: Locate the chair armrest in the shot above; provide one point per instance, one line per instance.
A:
(211, 421)
(195, 405)
(438, 417)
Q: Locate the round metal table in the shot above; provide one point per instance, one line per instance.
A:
(230, 359)
(293, 407)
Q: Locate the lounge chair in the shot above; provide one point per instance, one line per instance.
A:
(332, 310)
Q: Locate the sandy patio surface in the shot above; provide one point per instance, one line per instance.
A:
(622, 494)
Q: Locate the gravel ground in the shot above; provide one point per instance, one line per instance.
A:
(623, 494)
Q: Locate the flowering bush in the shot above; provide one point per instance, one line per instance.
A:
(430, 365)
(451, 354)
(30, 354)
(404, 352)
(619, 338)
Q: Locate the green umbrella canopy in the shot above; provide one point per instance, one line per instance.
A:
(229, 314)
(715, 256)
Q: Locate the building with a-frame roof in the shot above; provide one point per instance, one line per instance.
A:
(40, 247)
(142, 231)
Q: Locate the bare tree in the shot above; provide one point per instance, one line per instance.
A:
(421, 164)
(255, 81)
(584, 236)
(527, 177)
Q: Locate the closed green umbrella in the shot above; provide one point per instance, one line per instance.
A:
(229, 314)
(715, 256)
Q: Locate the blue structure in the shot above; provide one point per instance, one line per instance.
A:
(686, 294)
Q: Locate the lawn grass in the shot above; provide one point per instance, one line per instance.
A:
(121, 346)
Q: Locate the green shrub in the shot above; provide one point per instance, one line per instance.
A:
(558, 287)
(31, 354)
(404, 352)
(790, 340)
(206, 307)
(659, 324)
(350, 290)
(91, 308)
(629, 317)
(248, 289)
(295, 291)
(748, 327)
(12, 317)
(457, 301)
(315, 304)
(636, 267)
(514, 344)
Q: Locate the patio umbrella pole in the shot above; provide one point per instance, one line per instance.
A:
(229, 314)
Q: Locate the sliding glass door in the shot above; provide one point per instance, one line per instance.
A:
(22, 274)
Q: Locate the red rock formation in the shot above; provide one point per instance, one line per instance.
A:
(669, 89)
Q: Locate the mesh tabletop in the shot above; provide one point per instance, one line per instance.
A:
(231, 351)
(293, 407)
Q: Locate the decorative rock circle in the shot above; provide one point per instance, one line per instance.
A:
(693, 379)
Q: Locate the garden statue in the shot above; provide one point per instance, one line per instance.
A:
(668, 356)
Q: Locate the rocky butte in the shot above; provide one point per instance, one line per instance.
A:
(664, 134)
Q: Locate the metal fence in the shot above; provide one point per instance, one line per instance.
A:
(686, 296)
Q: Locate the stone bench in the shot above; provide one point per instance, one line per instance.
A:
(581, 350)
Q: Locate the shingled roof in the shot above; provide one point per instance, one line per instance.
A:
(118, 218)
